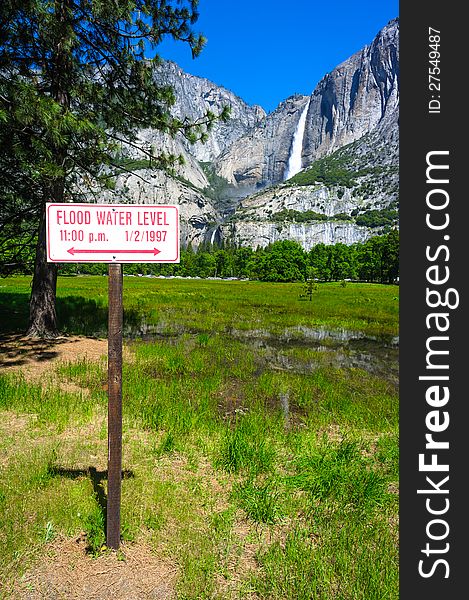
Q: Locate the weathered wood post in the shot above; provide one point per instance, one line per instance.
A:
(115, 320)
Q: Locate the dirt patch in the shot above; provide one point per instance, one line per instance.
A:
(68, 572)
(12, 423)
(35, 357)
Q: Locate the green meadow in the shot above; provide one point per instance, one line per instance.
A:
(260, 436)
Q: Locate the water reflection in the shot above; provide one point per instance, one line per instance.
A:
(307, 335)
(299, 349)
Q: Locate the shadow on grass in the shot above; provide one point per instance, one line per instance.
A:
(14, 312)
(16, 350)
(97, 479)
(76, 315)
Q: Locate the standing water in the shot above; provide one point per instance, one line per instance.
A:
(294, 162)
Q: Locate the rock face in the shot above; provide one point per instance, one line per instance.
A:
(258, 222)
(260, 157)
(355, 97)
(347, 104)
(256, 234)
(233, 186)
(198, 216)
(194, 96)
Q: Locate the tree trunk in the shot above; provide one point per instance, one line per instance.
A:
(42, 313)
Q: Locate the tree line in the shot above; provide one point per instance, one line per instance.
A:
(376, 260)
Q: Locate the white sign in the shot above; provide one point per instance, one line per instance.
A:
(107, 233)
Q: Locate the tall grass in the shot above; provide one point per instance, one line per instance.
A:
(340, 474)
(352, 559)
(245, 447)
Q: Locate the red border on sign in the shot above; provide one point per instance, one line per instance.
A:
(173, 260)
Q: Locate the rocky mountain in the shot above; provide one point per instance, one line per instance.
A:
(260, 157)
(195, 96)
(345, 148)
(355, 98)
(347, 103)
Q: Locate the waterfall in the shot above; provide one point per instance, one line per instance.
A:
(212, 239)
(294, 161)
(214, 235)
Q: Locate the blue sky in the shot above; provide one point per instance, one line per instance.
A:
(267, 50)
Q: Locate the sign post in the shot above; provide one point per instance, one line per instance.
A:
(114, 459)
(114, 234)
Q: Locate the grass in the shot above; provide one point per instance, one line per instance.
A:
(259, 501)
(201, 306)
(257, 466)
(242, 449)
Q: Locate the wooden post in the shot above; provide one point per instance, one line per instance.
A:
(115, 320)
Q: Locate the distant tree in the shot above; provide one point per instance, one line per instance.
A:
(390, 257)
(224, 263)
(75, 84)
(282, 261)
(318, 258)
(341, 262)
(187, 265)
(311, 285)
(205, 264)
(371, 260)
(243, 261)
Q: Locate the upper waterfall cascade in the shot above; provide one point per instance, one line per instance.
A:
(294, 161)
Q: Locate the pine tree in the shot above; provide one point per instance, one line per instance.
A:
(76, 82)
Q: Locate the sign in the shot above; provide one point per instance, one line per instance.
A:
(112, 233)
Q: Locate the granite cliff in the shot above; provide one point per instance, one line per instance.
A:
(234, 187)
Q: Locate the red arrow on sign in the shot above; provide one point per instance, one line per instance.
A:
(74, 251)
